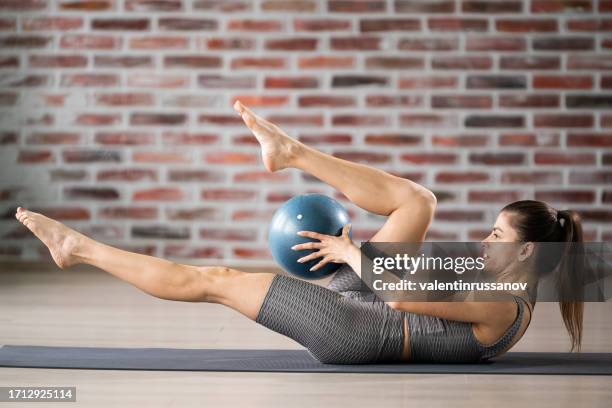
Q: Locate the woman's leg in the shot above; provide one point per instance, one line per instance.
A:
(158, 277)
(409, 205)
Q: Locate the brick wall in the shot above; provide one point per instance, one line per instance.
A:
(116, 118)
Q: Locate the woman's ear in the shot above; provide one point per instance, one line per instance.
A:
(526, 251)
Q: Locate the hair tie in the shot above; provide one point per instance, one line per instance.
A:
(561, 218)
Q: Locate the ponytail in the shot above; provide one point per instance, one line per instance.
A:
(537, 221)
(570, 278)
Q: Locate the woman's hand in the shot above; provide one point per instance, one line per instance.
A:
(331, 248)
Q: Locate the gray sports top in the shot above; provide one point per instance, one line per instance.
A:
(433, 339)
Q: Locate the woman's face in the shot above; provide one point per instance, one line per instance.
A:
(497, 249)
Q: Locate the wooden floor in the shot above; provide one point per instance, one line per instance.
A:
(86, 307)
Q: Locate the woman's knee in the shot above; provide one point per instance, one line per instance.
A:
(211, 282)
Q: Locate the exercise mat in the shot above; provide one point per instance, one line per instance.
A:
(299, 361)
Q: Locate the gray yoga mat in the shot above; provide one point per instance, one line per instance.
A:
(285, 361)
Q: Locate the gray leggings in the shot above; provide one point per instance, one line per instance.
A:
(340, 324)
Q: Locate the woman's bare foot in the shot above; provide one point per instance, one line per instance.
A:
(62, 241)
(277, 148)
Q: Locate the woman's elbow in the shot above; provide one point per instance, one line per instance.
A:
(394, 305)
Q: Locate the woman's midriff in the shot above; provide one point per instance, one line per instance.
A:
(406, 345)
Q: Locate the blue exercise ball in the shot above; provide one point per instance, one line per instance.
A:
(306, 212)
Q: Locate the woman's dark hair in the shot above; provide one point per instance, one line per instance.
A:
(536, 221)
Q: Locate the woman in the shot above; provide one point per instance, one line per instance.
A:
(334, 325)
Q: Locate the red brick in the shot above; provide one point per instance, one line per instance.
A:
(523, 25)
(9, 61)
(321, 24)
(195, 175)
(192, 61)
(327, 138)
(91, 156)
(161, 157)
(86, 5)
(223, 6)
(360, 120)
(221, 120)
(563, 120)
(590, 177)
(127, 175)
(362, 43)
(157, 80)
(228, 194)
(601, 140)
(160, 119)
(160, 232)
(230, 158)
(123, 61)
(35, 156)
(8, 137)
(560, 6)
(55, 23)
(400, 63)
(254, 25)
(582, 62)
(91, 193)
(496, 7)
(294, 83)
(533, 101)
(128, 212)
(590, 25)
(308, 101)
(464, 62)
(24, 41)
(158, 194)
(465, 140)
(187, 24)
(325, 62)
(394, 100)
(297, 120)
(457, 215)
(529, 139)
(562, 82)
(393, 139)
(53, 137)
(531, 62)
(235, 43)
(23, 5)
(457, 24)
(564, 159)
(198, 213)
(427, 82)
(226, 82)
(124, 138)
(186, 138)
(493, 196)
(158, 42)
(571, 196)
(85, 80)
(89, 42)
(291, 44)
(251, 253)
(154, 5)
(295, 6)
(498, 43)
(261, 176)
(421, 158)
(258, 63)
(57, 61)
(97, 119)
(461, 177)
(532, 177)
(425, 7)
(356, 6)
(226, 234)
(125, 99)
(429, 120)
(120, 24)
(497, 159)
(428, 44)
(462, 101)
(389, 24)
(251, 215)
